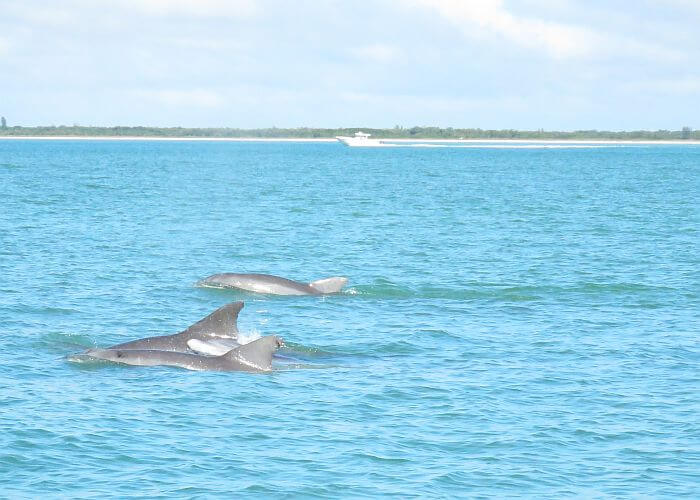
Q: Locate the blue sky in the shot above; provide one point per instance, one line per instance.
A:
(523, 64)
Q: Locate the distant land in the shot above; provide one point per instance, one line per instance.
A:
(686, 133)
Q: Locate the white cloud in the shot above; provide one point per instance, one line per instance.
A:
(492, 20)
(686, 85)
(27, 15)
(197, 8)
(187, 98)
(690, 6)
(206, 44)
(378, 52)
(480, 19)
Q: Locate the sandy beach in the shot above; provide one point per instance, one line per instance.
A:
(539, 141)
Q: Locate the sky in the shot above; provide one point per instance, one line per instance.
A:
(491, 64)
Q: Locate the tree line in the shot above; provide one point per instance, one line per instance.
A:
(397, 132)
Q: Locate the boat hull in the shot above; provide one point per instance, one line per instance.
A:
(362, 141)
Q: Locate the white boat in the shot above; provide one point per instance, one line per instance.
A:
(360, 139)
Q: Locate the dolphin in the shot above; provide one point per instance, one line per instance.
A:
(253, 357)
(222, 323)
(266, 283)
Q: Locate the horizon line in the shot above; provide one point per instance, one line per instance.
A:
(305, 127)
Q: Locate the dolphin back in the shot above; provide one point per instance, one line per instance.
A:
(329, 285)
(138, 357)
(256, 354)
(151, 357)
(276, 285)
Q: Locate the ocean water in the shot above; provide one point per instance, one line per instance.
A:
(517, 322)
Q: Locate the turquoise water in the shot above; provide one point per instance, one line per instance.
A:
(517, 322)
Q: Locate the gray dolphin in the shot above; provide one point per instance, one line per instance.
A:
(253, 357)
(220, 323)
(266, 283)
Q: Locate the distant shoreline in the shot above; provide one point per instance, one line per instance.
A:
(678, 142)
(307, 134)
(155, 138)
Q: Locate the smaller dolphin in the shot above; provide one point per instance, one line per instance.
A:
(266, 283)
(222, 323)
(253, 357)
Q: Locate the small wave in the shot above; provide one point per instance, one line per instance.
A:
(431, 292)
(381, 288)
(289, 366)
(64, 341)
(98, 186)
(385, 289)
(615, 288)
(82, 358)
(86, 362)
(248, 337)
(299, 350)
(46, 310)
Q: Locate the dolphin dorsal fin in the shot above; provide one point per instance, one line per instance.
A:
(221, 323)
(257, 354)
(329, 285)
